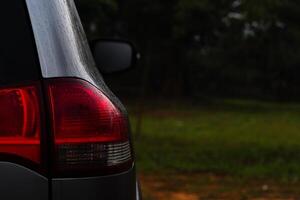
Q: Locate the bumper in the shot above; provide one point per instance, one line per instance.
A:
(116, 187)
(18, 182)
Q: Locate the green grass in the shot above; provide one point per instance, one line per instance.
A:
(240, 138)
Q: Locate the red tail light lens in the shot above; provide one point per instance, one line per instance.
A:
(90, 133)
(20, 122)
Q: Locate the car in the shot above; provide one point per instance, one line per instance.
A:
(63, 134)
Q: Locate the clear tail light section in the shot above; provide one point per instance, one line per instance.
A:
(20, 123)
(90, 133)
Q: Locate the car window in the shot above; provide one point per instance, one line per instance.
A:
(18, 59)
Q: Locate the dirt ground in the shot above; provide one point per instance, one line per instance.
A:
(210, 187)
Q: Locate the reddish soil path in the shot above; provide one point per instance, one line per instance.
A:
(211, 187)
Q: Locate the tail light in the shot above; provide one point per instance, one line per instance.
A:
(20, 121)
(88, 133)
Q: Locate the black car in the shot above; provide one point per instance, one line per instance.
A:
(63, 134)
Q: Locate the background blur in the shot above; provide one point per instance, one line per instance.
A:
(214, 101)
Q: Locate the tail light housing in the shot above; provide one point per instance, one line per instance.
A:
(87, 133)
(90, 133)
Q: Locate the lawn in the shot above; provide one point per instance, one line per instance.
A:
(246, 139)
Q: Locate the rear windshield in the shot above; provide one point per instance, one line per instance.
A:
(18, 60)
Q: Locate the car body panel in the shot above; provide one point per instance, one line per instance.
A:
(61, 42)
(114, 187)
(18, 182)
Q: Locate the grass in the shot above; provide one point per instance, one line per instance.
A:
(238, 138)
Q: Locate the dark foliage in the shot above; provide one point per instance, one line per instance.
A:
(192, 48)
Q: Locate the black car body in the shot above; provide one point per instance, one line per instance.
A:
(43, 43)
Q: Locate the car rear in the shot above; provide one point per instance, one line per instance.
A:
(63, 134)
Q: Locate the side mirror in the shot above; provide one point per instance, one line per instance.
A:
(113, 55)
